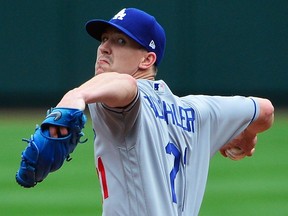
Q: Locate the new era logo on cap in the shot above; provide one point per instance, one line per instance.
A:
(136, 24)
(152, 44)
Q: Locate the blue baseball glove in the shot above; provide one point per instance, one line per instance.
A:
(45, 154)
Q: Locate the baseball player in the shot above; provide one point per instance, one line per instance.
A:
(153, 148)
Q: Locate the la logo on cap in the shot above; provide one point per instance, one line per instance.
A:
(120, 15)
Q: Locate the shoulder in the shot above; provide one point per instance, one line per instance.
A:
(222, 106)
(157, 87)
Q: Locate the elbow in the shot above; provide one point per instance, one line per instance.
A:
(124, 92)
(267, 112)
(132, 89)
(130, 86)
(132, 82)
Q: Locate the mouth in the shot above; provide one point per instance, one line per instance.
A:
(102, 64)
(103, 61)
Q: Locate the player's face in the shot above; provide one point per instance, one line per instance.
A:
(118, 53)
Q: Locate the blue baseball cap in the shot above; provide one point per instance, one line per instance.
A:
(136, 24)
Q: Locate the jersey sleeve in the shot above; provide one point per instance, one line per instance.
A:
(223, 118)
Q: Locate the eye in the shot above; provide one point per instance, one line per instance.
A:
(121, 41)
(104, 38)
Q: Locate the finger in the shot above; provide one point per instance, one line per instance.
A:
(63, 131)
(249, 148)
(223, 152)
(53, 132)
(251, 152)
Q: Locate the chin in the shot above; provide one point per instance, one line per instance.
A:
(99, 70)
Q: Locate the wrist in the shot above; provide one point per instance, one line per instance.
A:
(72, 99)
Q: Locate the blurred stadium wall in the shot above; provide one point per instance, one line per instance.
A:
(213, 47)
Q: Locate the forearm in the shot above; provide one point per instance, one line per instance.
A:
(248, 138)
(263, 121)
(265, 118)
(112, 89)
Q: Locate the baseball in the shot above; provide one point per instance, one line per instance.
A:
(235, 153)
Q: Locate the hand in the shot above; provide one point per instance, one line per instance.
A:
(56, 132)
(45, 153)
(246, 141)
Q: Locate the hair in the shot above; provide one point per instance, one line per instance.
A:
(155, 69)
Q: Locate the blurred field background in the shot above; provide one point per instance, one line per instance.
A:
(73, 190)
(254, 186)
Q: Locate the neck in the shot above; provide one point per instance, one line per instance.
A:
(144, 74)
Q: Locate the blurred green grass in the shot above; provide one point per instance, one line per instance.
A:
(72, 190)
(254, 186)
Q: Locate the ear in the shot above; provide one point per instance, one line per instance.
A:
(148, 60)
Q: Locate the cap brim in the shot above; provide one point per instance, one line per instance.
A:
(96, 27)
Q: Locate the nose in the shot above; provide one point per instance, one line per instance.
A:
(105, 47)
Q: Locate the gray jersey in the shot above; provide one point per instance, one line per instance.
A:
(153, 156)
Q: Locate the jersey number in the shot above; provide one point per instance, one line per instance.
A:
(102, 175)
(172, 149)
